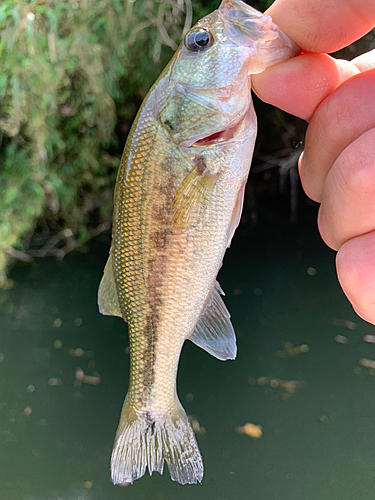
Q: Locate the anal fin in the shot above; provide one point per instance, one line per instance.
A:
(107, 294)
(214, 331)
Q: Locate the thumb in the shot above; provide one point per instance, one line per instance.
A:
(300, 84)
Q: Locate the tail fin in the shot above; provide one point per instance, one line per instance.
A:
(145, 440)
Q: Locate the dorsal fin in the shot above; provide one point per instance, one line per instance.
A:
(236, 215)
(214, 331)
(107, 294)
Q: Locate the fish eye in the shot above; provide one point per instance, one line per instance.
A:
(198, 40)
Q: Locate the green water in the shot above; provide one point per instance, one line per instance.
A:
(318, 443)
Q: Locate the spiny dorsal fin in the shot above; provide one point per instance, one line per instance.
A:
(107, 294)
(236, 215)
(214, 331)
(194, 194)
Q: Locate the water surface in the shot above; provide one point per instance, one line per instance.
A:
(318, 440)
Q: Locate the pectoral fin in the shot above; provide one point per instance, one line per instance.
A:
(107, 294)
(214, 331)
(193, 195)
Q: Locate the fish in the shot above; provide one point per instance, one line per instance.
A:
(178, 200)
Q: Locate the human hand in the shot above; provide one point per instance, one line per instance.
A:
(337, 98)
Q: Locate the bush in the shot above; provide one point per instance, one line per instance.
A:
(65, 68)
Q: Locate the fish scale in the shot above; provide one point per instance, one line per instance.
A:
(178, 200)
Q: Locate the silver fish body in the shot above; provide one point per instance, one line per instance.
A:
(178, 201)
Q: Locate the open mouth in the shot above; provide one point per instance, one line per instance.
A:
(219, 137)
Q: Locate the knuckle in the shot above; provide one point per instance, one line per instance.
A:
(327, 229)
(310, 182)
(335, 117)
(356, 167)
(356, 272)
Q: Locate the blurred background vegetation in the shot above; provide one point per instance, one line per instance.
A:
(73, 74)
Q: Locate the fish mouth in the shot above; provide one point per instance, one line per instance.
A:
(220, 137)
(250, 28)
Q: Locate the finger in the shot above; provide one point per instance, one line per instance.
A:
(318, 26)
(365, 61)
(300, 84)
(348, 209)
(340, 119)
(355, 263)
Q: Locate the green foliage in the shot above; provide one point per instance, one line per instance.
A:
(65, 65)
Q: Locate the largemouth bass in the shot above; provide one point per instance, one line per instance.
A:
(177, 203)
